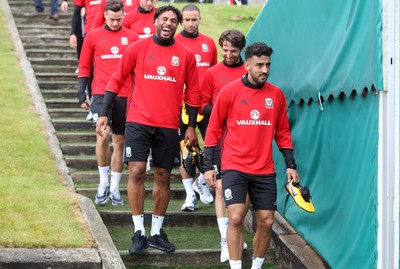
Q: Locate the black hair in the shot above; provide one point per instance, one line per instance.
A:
(163, 9)
(258, 49)
(190, 7)
(114, 5)
(233, 36)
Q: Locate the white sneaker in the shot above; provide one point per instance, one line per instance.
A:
(224, 251)
(115, 198)
(103, 191)
(204, 192)
(89, 116)
(190, 204)
(244, 245)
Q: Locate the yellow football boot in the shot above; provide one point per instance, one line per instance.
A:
(301, 196)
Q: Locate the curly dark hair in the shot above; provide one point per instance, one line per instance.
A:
(258, 49)
(163, 9)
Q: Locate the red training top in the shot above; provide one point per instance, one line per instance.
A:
(160, 73)
(247, 119)
(215, 78)
(102, 49)
(140, 21)
(91, 9)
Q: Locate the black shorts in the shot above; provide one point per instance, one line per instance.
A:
(261, 188)
(116, 115)
(163, 142)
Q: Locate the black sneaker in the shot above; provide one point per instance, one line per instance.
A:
(160, 241)
(139, 243)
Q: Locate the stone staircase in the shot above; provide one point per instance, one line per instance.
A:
(54, 63)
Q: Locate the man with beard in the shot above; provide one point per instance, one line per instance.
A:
(248, 115)
(161, 69)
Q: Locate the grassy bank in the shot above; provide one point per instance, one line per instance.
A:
(35, 206)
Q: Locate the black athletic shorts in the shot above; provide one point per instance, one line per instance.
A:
(163, 142)
(116, 115)
(261, 188)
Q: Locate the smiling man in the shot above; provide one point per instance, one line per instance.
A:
(162, 70)
(248, 115)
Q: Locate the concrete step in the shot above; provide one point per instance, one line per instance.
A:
(39, 68)
(176, 193)
(70, 113)
(59, 94)
(51, 54)
(62, 103)
(174, 219)
(61, 62)
(54, 76)
(81, 149)
(74, 137)
(92, 176)
(63, 85)
(72, 124)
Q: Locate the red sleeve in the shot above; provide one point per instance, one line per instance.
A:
(99, 19)
(128, 18)
(80, 3)
(87, 55)
(124, 69)
(206, 91)
(192, 92)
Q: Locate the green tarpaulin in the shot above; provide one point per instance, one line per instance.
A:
(326, 48)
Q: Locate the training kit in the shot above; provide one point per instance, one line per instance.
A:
(301, 196)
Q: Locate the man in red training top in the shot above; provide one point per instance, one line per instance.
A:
(102, 49)
(98, 19)
(248, 115)
(206, 56)
(232, 43)
(161, 69)
(141, 19)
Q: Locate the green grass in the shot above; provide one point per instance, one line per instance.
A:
(35, 206)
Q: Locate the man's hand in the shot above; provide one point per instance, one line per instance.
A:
(72, 41)
(210, 177)
(85, 105)
(64, 6)
(292, 174)
(191, 137)
(101, 126)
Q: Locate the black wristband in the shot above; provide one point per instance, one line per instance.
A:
(108, 100)
(289, 160)
(208, 158)
(82, 84)
(192, 113)
(207, 110)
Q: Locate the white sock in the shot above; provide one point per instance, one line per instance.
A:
(115, 179)
(156, 224)
(222, 226)
(257, 263)
(103, 171)
(235, 264)
(138, 222)
(187, 183)
(200, 179)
